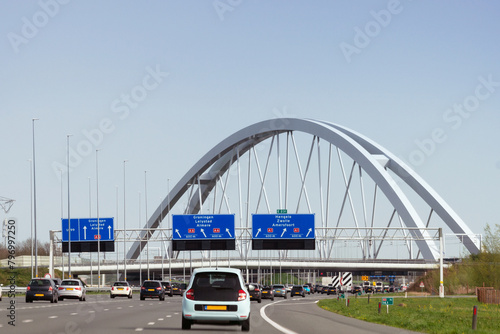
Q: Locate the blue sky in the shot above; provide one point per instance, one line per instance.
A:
(165, 81)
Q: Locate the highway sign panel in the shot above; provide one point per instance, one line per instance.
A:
(388, 301)
(283, 226)
(86, 229)
(203, 227)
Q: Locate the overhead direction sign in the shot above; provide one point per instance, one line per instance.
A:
(283, 226)
(86, 229)
(193, 227)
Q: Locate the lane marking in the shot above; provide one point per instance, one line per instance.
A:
(74, 313)
(272, 323)
(53, 317)
(139, 329)
(28, 320)
(160, 319)
(151, 323)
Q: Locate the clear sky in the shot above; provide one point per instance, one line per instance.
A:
(159, 83)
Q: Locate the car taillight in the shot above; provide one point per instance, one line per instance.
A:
(28, 288)
(158, 288)
(256, 289)
(242, 295)
(143, 288)
(112, 288)
(61, 288)
(78, 288)
(50, 288)
(190, 294)
(126, 288)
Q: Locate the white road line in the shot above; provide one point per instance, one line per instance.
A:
(131, 306)
(160, 319)
(74, 313)
(169, 316)
(151, 323)
(119, 308)
(28, 320)
(272, 323)
(139, 329)
(53, 317)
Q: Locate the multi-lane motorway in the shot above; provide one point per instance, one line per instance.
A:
(100, 314)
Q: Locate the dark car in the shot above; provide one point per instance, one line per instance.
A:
(255, 291)
(178, 288)
(318, 288)
(331, 290)
(268, 293)
(168, 288)
(356, 289)
(298, 290)
(368, 289)
(324, 289)
(152, 289)
(41, 289)
(279, 290)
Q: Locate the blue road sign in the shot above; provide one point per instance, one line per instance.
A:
(196, 227)
(85, 229)
(283, 226)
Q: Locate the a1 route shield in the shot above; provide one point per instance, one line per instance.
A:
(283, 226)
(203, 227)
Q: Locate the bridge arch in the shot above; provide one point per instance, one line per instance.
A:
(372, 158)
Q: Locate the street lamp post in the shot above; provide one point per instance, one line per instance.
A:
(146, 210)
(34, 196)
(124, 226)
(69, 221)
(31, 214)
(98, 223)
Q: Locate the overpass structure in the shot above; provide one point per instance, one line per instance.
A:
(369, 205)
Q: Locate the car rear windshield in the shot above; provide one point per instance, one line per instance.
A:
(165, 283)
(120, 284)
(40, 282)
(70, 283)
(216, 286)
(151, 284)
(278, 286)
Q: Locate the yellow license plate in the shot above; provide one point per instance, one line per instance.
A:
(216, 307)
(39, 295)
(264, 291)
(120, 288)
(69, 289)
(151, 289)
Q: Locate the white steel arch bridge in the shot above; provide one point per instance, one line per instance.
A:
(348, 181)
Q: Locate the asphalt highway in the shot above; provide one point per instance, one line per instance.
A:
(101, 314)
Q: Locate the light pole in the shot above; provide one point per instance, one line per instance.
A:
(140, 242)
(31, 215)
(90, 216)
(124, 226)
(62, 215)
(69, 221)
(98, 223)
(146, 210)
(34, 196)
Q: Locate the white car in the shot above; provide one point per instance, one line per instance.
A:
(216, 296)
(1, 292)
(121, 289)
(72, 288)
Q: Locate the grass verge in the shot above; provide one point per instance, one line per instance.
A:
(428, 315)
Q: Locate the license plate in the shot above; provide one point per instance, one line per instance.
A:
(39, 295)
(297, 293)
(216, 308)
(264, 291)
(69, 289)
(120, 288)
(151, 289)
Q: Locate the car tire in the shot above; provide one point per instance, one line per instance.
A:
(141, 298)
(60, 298)
(162, 298)
(171, 295)
(259, 301)
(186, 324)
(286, 296)
(272, 299)
(291, 296)
(130, 296)
(245, 325)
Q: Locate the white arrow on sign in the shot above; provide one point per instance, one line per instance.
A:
(203, 231)
(284, 230)
(109, 231)
(258, 231)
(177, 231)
(308, 232)
(227, 230)
(85, 233)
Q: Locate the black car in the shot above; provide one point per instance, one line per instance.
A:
(356, 289)
(178, 288)
(255, 291)
(268, 292)
(152, 289)
(41, 289)
(298, 290)
(168, 288)
(331, 290)
(324, 289)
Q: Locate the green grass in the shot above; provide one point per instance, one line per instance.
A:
(428, 315)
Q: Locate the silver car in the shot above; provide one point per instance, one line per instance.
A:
(72, 288)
